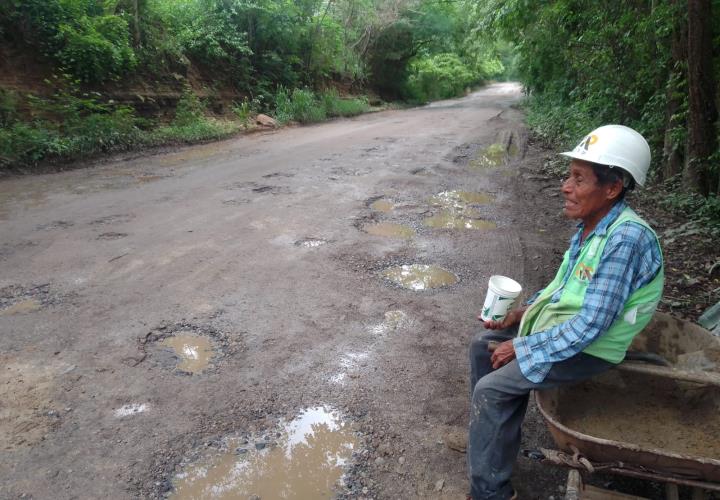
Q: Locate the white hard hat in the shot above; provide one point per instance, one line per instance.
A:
(615, 146)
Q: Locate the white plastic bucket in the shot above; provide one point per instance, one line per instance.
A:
(502, 292)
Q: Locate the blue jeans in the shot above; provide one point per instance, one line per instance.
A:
(499, 399)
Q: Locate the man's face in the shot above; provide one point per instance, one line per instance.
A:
(585, 199)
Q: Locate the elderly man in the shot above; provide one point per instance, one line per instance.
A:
(579, 325)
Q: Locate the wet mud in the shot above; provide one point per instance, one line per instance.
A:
(651, 413)
(453, 220)
(460, 200)
(389, 230)
(420, 276)
(304, 458)
(186, 348)
(311, 243)
(495, 155)
(382, 205)
(194, 352)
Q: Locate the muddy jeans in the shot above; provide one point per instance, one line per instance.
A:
(499, 399)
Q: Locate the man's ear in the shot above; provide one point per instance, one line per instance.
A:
(614, 190)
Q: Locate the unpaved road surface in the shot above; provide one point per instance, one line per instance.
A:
(257, 245)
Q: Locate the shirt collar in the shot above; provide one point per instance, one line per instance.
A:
(605, 222)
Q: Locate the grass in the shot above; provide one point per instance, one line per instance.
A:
(73, 128)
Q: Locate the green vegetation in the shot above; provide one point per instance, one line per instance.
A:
(654, 66)
(287, 58)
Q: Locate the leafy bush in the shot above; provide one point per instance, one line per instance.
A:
(96, 49)
(334, 105)
(8, 107)
(204, 129)
(28, 143)
(246, 108)
(439, 77)
(300, 105)
(25, 144)
(189, 109)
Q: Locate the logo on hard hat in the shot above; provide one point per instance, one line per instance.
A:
(589, 141)
(582, 148)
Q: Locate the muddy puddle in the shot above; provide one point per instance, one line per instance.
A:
(130, 409)
(495, 155)
(651, 413)
(382, 205)
(23, 307)
(304, 459)
(453, 220)
(194, 352)
(389, 230)
(311, 243)
(394, 320)
(420, 276)
(459, 200)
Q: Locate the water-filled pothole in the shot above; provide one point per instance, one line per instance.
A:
(453, 220)
(460, 199)
(111, 236)
(311, 242)
(304, 459)
(186, 348)
(25, 306)
(389, 230)
(194, 352)
(382, 205)
(394, 320)
(420, 276)
(494, 155)
(16, 299)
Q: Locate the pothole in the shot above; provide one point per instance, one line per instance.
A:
(420, 276)
(494, 155)
(311, 242)
(382, 205)
(394, 320)
(57, 224)
(194, 352)
(460, 199)
(389, 230)
(25, 306)
(453, 220)
(254, 187)
(186, 348)
(303, 458)
(278, 174)
(16, 299)
(111, 236)
(145, 178)
(113, 219)
(233, 202)
(131, 409)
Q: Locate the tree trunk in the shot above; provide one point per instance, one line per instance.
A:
(702, 111)
(136, 5)
(676, 87)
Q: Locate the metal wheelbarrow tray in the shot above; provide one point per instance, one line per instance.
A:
(659, 423)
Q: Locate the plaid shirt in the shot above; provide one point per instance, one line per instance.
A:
(630, 260)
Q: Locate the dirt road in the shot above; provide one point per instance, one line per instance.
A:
(260, 246)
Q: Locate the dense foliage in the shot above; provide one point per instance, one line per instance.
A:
(589, 63)
(283, 57)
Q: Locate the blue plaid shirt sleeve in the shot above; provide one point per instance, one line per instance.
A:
(630, 260)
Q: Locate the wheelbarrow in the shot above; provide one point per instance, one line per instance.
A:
(658, 421)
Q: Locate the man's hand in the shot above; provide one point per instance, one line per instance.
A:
(503, 354)
(512, 318)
